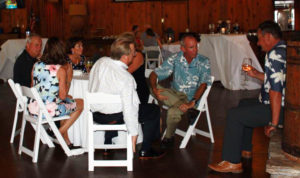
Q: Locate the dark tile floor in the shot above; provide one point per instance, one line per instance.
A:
(190, 162)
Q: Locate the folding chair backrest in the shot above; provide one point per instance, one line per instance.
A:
(99, 98)
(16, 88)
(151, 49)
(104, 98)
(205, 94)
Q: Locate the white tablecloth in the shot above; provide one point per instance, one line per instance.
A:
(10, 50)
(78, 131)
(226, 53)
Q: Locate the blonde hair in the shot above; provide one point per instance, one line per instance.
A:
(121, 46)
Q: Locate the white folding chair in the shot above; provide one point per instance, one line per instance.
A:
(192, 130)
(16, 88)
(39, 122)
(103, 98)
(148, 58)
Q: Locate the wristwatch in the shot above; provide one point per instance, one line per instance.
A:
(272, 125)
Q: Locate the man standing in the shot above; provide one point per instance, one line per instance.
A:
(191, 75)
(110, 75)
(251, 113)
(24, 63)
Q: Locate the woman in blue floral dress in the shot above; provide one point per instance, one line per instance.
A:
(51, 77)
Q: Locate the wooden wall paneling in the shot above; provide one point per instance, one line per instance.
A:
(11, 18)
(105, 18)
(247, 13)
(119, 17)
(6, 20)
(234, 14)
(175, 15)
(92, 22)
(153, 16)
(66, 19)
(54, 17)
(134, 12)
(39, 6)
(263, 10)
(202, 13)
(102, 15)
(20, 19)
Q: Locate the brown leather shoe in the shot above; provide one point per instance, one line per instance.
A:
(225, 166)
(246, 154)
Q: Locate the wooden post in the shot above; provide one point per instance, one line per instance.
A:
(291, 133)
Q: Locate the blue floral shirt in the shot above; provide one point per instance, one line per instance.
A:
(186, 77)
(275, 72)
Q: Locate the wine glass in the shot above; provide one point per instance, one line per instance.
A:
(246, 66)
(211, 28)
(88, 65)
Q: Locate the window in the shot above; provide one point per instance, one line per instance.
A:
(284, 14)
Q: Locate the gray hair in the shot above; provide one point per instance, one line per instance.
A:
(121, 46)
(184, 37)
(32, 35)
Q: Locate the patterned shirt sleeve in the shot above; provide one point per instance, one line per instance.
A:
(206, 74)
(276, 65)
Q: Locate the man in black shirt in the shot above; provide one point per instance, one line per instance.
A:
(25, 62)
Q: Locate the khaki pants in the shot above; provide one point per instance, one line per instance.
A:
(175, 99)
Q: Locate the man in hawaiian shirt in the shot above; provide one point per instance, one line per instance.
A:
(191, 75)
(251, 113)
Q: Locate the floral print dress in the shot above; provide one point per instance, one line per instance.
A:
(47, 85)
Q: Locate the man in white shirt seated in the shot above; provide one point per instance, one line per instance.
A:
(110, 75)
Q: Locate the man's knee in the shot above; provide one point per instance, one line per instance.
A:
(173, 120)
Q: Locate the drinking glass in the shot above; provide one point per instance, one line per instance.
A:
(246, 66)
(228, 24)
(88, 65)
(211, 28)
